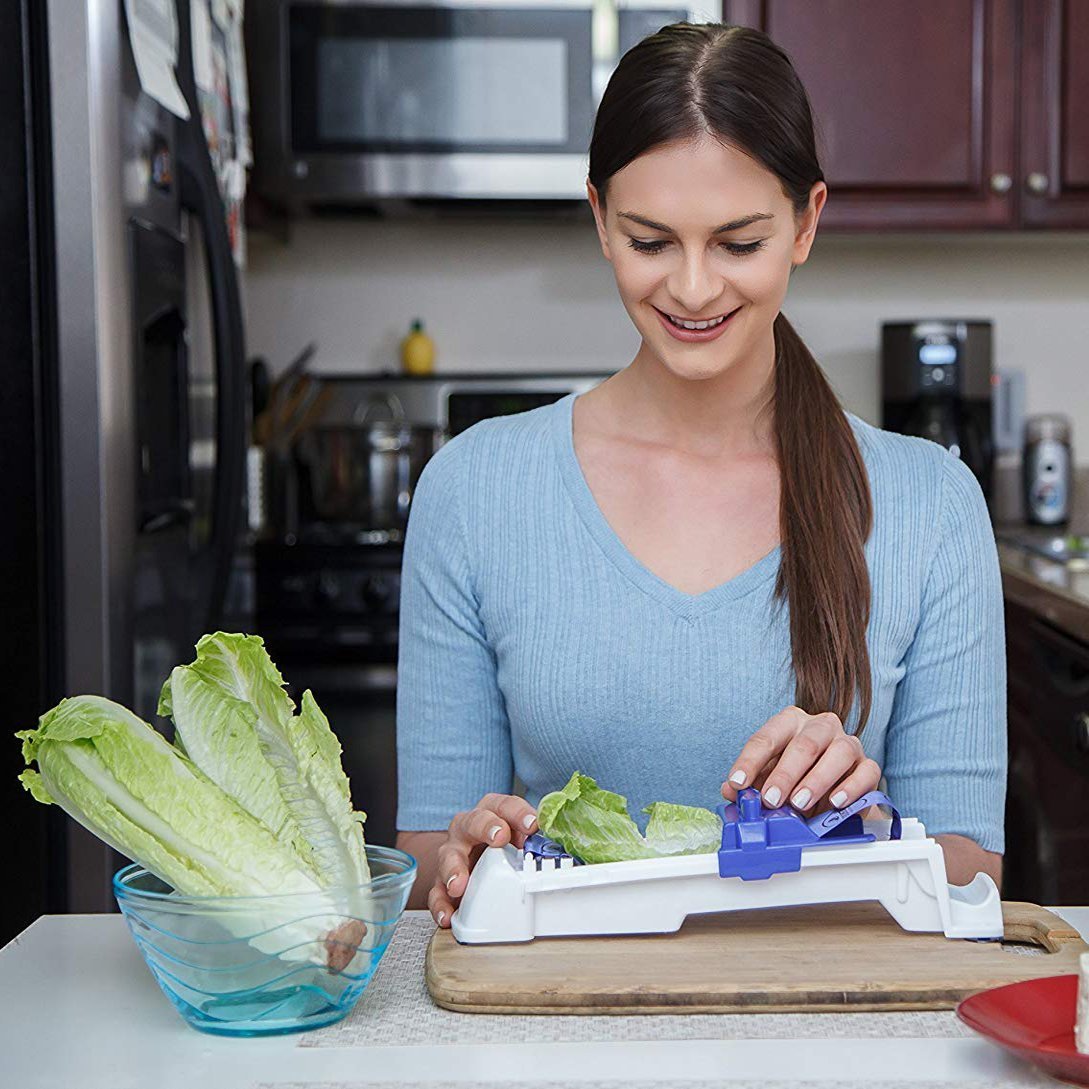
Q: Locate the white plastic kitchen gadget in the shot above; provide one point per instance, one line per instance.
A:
(768, 858)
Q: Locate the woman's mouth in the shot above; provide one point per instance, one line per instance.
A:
(711, 332)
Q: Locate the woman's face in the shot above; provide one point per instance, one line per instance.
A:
(686, 268)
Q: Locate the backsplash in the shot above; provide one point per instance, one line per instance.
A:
(538, 295)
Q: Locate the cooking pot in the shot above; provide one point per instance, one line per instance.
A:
(365, 471)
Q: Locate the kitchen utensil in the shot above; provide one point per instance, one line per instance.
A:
(199, 948)
(364, 472)
(1034, 1019)
(824, 957)
(260, 385)
(310, 412)
(834, 857)
(282, 391)
(298, 365)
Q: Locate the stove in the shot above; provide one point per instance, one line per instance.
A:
(330, 597)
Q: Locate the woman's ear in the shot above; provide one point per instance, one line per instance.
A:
(599, 218)
(807, 224)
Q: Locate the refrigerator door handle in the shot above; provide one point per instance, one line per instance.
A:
(199, 194)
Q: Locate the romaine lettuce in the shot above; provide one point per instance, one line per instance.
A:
(129, 786)
(238, 726)
(593, 824)
(252, 801)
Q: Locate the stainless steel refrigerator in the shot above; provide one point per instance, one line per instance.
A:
(123, 413)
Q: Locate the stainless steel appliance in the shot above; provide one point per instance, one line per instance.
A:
(364, 471)
(328, 587)
(361, 100)
(1048, 470)
(123, 422)
(936, 383)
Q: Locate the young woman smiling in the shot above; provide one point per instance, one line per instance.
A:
(703, 574)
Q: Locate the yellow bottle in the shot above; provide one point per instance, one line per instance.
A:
(417, 351)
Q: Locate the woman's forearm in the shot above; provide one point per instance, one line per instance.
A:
(964, 858)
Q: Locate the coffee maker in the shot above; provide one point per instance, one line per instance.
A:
(936, 382)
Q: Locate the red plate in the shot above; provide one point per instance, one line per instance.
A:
(1033, 1019)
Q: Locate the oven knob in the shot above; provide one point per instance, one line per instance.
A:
(376, 592)
(328, 589)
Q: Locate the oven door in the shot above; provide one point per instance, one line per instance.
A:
(360, 702)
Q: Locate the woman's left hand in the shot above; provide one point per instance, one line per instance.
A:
(805, 760)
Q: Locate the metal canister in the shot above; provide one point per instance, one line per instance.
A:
(1048, 470)
(364, 472)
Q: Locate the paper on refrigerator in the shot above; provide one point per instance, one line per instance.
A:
(153, 33)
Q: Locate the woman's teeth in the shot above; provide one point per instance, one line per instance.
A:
(697, 324)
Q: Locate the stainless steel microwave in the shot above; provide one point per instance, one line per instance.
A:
(354, 100)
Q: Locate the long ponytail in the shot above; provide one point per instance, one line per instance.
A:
(825, 518)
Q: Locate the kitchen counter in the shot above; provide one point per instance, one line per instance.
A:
(1058, 592)
(81, 1009)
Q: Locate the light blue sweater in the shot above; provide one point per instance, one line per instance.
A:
(533, 642)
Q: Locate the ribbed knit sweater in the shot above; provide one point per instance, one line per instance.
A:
(532, 642)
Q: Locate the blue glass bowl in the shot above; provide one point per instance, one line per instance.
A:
(263, 965)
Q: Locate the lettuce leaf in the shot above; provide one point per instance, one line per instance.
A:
(125, 783)
(239, 726)
(594, 825)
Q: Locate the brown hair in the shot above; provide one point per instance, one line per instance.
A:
(736, 83)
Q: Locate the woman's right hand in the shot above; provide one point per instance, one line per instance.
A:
(496, 819)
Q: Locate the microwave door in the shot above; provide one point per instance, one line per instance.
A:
(473, 100)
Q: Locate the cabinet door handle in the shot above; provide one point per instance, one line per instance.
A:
(1081, 731)
(1001, 183)
(1037, 183)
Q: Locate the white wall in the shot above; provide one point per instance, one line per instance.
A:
(524, 296)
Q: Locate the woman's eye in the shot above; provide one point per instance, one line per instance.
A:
(738, 249)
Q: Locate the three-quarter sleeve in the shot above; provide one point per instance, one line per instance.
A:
(453, 738)
(945, 751)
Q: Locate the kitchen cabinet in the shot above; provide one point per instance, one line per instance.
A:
(942, 113)
(1047, 835)
(1054, 132)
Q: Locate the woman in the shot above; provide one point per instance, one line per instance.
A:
(704, 557)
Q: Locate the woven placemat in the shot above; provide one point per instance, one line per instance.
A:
(397, 1010)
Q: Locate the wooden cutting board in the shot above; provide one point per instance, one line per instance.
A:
(839, 957)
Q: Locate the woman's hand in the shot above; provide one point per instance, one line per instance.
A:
(803, 759)
(496, 820)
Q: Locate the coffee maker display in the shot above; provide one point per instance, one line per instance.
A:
(936, 383)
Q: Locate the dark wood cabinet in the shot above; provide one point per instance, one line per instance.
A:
(1054, 136)
(942, 113)
(1047, 835)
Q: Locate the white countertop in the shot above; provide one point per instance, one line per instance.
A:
(80, 1009)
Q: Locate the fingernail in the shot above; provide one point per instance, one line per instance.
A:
(839, 798)
(450, 881)
(802, 798)
(772, 797)
(738, 777)
(527, 821)
(442, 916)
(495, 831)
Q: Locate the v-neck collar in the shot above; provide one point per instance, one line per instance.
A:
(686, 605)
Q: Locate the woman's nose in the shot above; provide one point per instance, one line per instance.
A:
(695, 285)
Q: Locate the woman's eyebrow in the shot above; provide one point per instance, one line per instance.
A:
(733, 225)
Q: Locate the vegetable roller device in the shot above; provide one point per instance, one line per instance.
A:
(768, 858)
